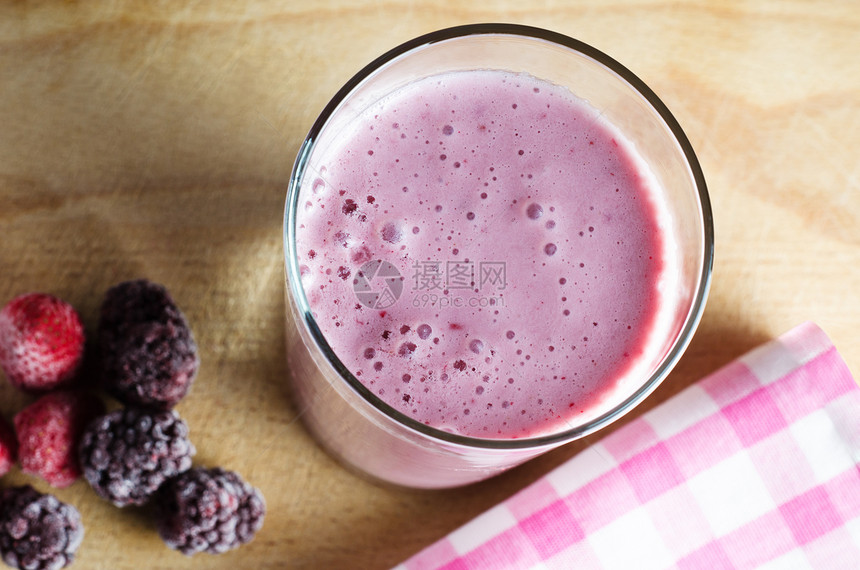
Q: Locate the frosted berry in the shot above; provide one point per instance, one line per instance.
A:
(37, 531)
(149, 357)
(209, 510)
(49, 430)
(128, 454)
(41, 342)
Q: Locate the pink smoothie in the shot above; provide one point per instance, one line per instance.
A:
(527, 233)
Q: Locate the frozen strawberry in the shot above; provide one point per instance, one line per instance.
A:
(8, 447)
(41, 342)
(49, 430)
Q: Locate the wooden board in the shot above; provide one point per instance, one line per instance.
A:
(156, 139)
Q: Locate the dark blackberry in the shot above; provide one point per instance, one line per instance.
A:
(149, 357)
(37, 531)
(133, 302)
(209, 510)
(126, 455)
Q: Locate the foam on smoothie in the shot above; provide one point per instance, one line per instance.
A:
(549, 221)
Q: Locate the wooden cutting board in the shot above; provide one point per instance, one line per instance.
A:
(156, 139)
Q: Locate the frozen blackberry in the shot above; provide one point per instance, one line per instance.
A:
(126, 455)
(209, 510)
(153, 366)
(149, 357)
(133, 302)
(37, 531)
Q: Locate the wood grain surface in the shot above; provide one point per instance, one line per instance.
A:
(155, 139)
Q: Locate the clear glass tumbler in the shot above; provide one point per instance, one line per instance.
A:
(355, 425)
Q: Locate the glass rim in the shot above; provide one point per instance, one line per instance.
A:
(694, 313)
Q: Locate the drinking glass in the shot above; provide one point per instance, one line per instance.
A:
(355, 425)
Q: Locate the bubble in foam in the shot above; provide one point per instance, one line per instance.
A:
(369, 353)
(510, 334)
(550, 249)
(318, 185)
(424, 331)
(534, 211)
(447, 130)
(476, 346)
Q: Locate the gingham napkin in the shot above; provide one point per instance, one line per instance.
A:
(757, 465)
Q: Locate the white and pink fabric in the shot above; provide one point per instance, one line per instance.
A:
(755, 466)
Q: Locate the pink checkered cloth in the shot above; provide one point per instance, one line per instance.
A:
(757, 465)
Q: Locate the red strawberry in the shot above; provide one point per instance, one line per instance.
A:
(41, 342)
(49, 430)
(8, 447)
